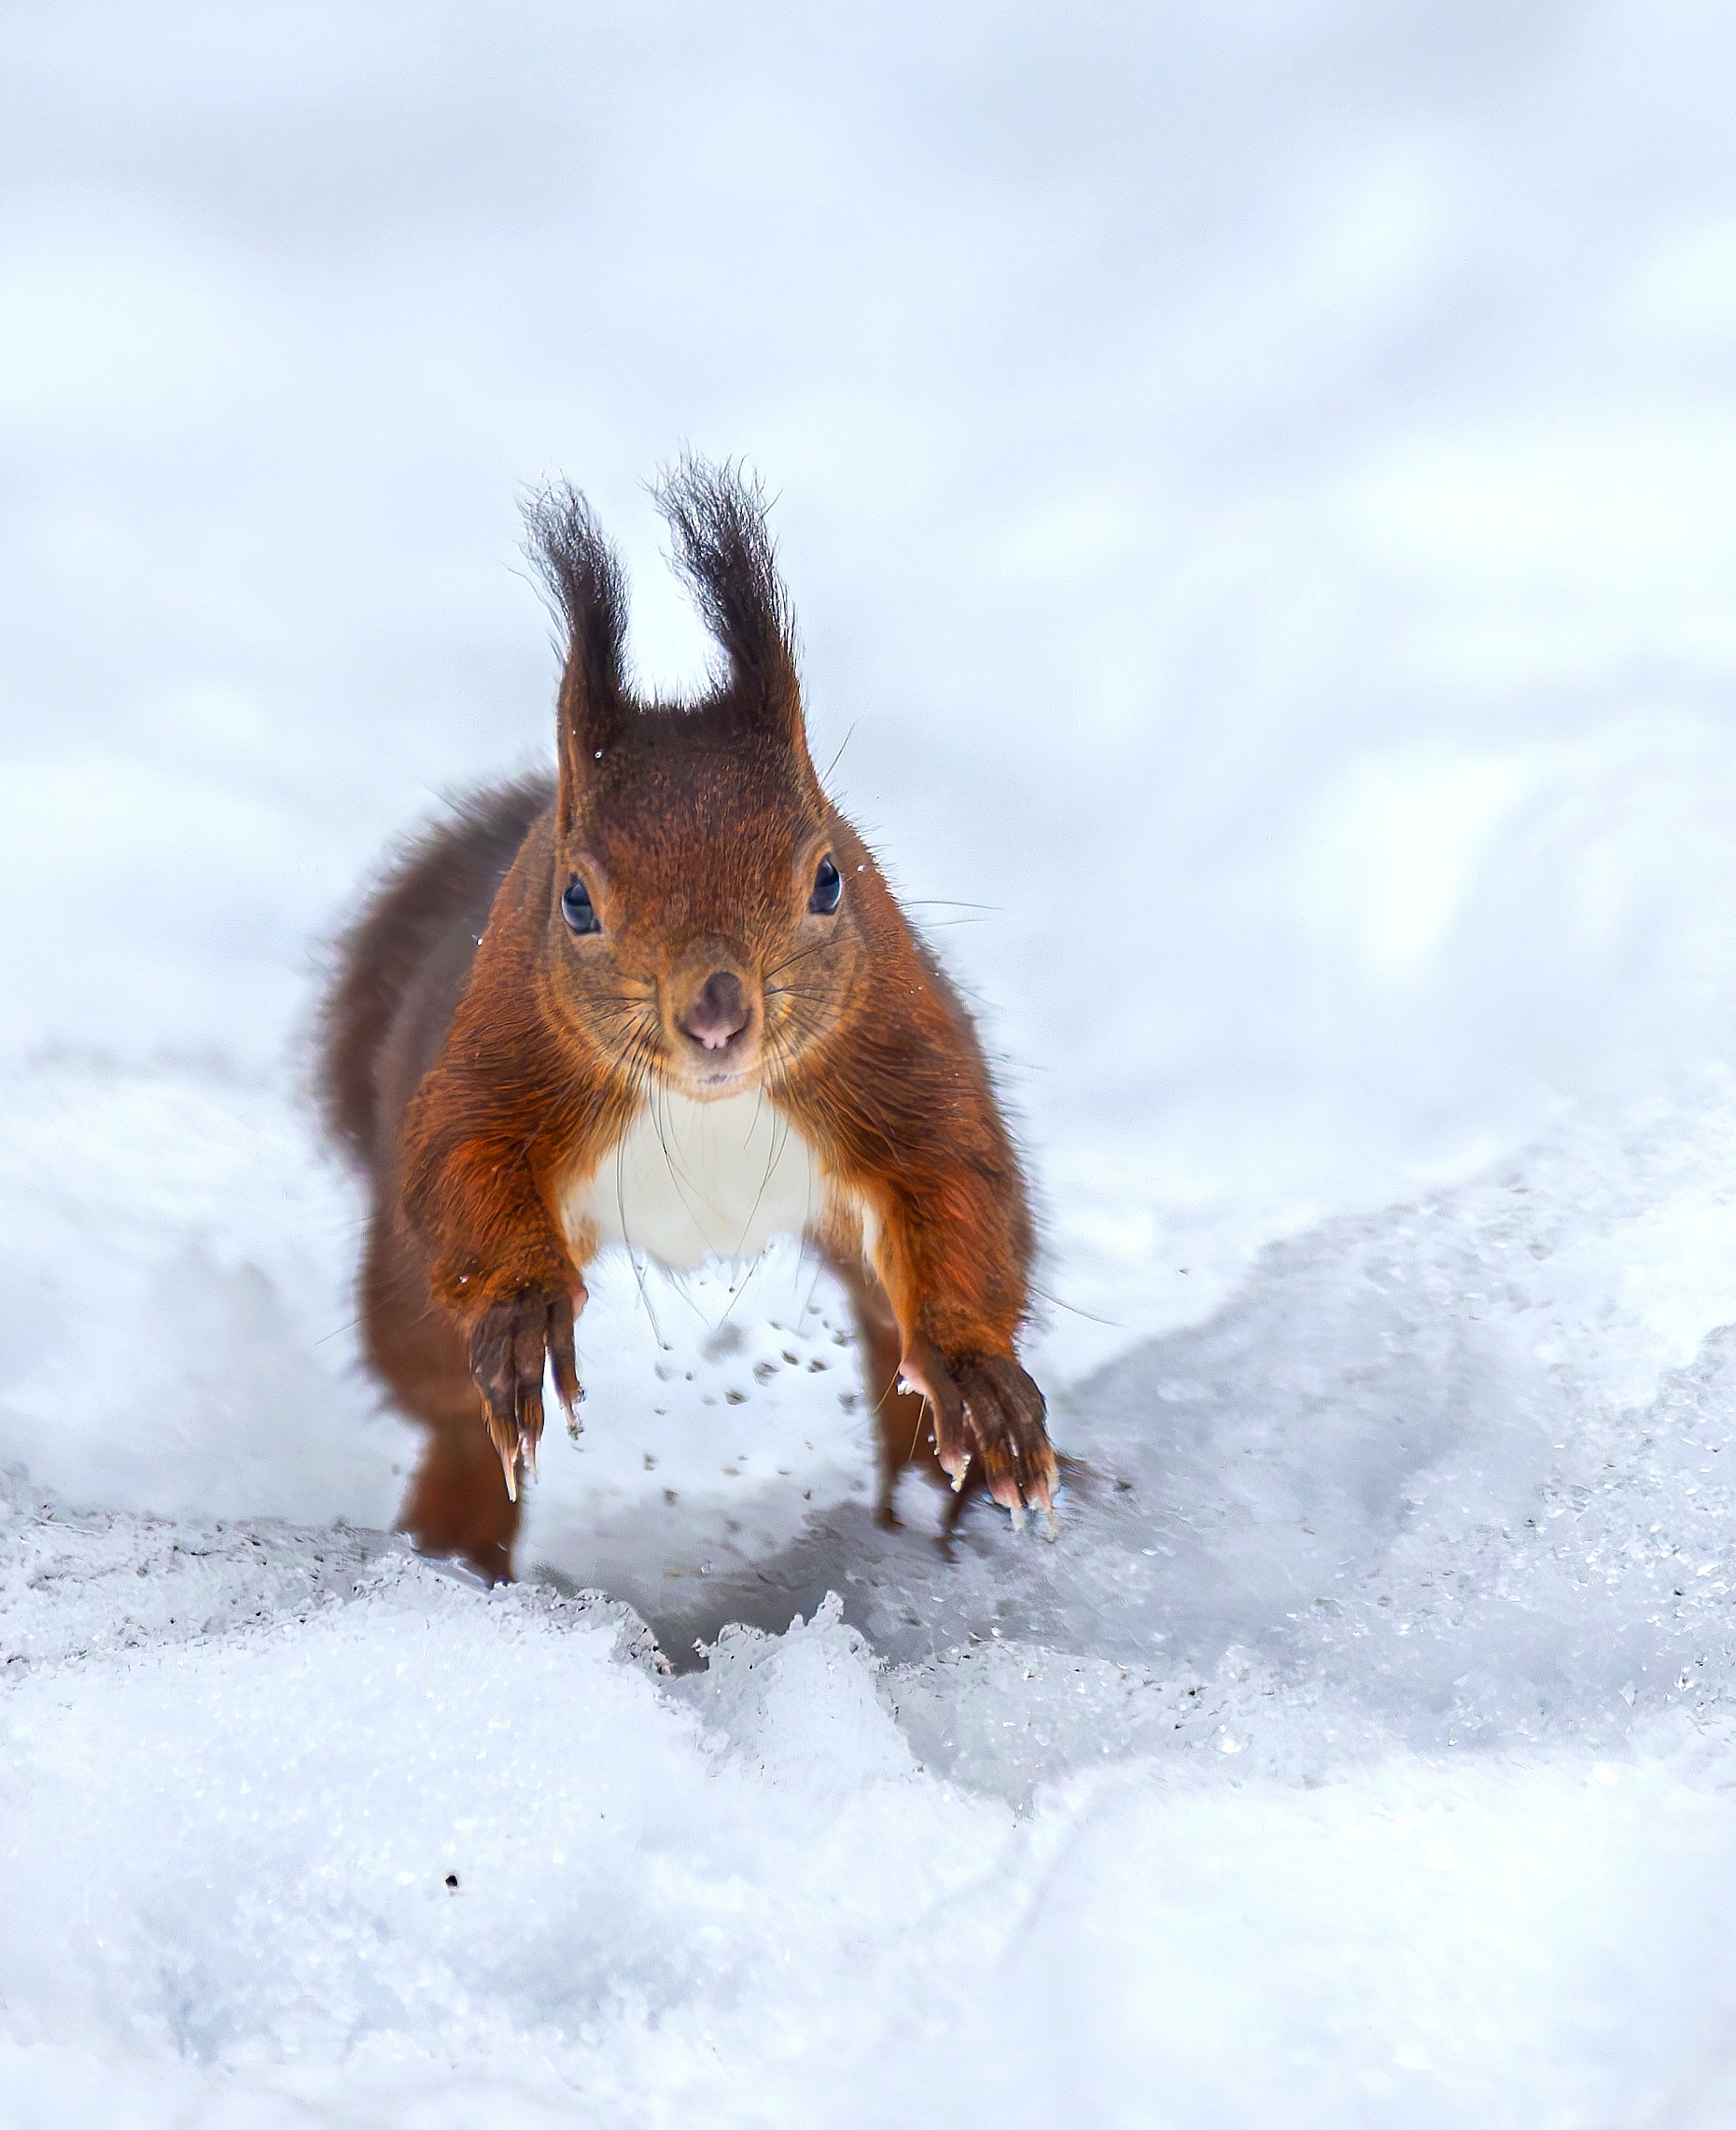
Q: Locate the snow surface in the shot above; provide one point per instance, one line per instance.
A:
(1359, 1749)
(1256, 483)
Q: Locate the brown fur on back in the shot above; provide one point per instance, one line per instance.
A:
(401, 966)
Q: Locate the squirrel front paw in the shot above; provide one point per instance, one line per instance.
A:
(509, 1344)
(986, 1407)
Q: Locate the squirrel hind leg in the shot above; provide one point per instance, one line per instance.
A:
(457, 1505)
(904, 1437)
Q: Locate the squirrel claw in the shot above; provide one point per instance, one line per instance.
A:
(987, 1412)
(1005, 1412)
(571, 1404)
(512, 1344)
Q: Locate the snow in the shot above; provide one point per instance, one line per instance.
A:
(1256, 488)
(1357, 1749)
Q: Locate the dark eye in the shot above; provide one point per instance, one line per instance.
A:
(576, 908)
(828, 890)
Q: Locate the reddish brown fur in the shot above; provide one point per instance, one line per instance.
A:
(480, 1058)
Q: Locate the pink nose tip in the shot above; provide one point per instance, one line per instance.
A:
(719, 1014)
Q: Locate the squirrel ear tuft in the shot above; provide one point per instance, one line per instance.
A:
(581, 575)
(725, 556)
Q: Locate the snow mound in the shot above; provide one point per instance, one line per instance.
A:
(1355, 1750)
(174, 1304)
(1457, 1472)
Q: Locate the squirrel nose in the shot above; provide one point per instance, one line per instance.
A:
(719, 1013)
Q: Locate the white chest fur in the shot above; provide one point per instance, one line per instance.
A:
(697, 1180)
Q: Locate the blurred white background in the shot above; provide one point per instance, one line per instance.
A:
(1256, 483)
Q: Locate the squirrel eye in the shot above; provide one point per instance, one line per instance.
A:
(828, 890)
(576, 908)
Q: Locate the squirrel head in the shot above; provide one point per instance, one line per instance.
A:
(702, 930)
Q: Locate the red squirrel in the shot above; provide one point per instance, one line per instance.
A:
(674, 955)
